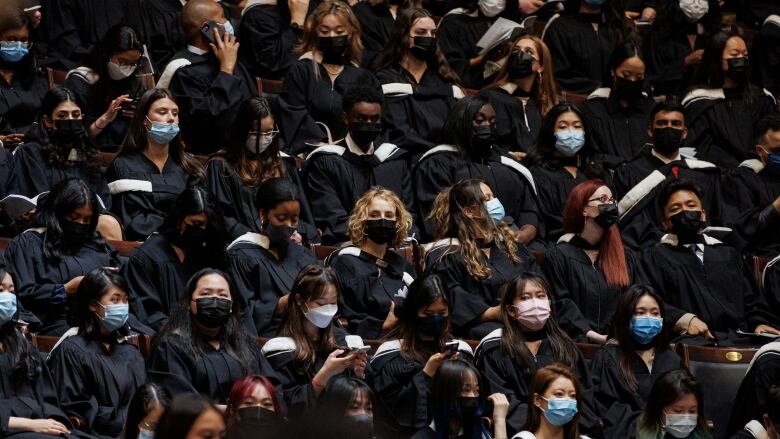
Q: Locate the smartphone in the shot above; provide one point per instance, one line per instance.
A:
(208, 30)
(451, 346)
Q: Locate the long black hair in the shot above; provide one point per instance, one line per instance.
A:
(96, 284)
(670, 21)
(667, 389)
(119, 38)
(710, 73)
(181, 414)
(233, 337)
(192, 201)
(445, 399)
(459, 126)
(334, 401)
(145, 399)
(65, 197)
(618, 29)
(26, 364)
(544, 150)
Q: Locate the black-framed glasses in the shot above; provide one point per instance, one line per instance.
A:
(604, 199)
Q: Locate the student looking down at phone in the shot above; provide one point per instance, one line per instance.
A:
(206, 78)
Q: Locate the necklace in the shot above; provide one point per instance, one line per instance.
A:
(333, 72)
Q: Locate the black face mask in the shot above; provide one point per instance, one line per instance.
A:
(333, 49)
(667, 140)
(424, 48)
(608, 215)
(482, 140)
(192, 238)
(380, 231)
(432, 326)
(626, 90)
(469, 406)
(363, 133)
(257, 412)
(213, 312)
(279, 235)
(75, 233)
(358, 426)
(686, 225)
(521, 65)
(68, 131)
(738, 69)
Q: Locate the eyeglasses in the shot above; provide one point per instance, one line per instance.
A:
(604, 199)
(15, 44)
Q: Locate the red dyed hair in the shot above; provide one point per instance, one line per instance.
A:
(612, 257)
(244, 387)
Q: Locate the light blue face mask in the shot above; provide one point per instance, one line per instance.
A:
(569, 142)
(495, 209)
(163, 133)
(645, 328)
(145, 434)
(13, 51)
(115, 315)
(7, 307)
(229, 28)
(560, 410)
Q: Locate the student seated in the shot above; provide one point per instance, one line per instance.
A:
(205, 347)
(370, 273)
(96, 371)
(308, 351)
(191, 416)
(474, 256)
(636, 354)
(589, 266)
(769, 424)
(402, 367)
(144, 411)
(152, 168)
(458, 33)
(345, 409)
(701, 276)
(255, 405)
(336, 176)
(675, 407)
(376, 20)
(755, 397)
(529, 340)
(265, 264)
(207, 79)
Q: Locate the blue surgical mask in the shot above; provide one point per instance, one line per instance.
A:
(163, 133)
(495, 209)
(569, 142)
(115, 315)
(773, 163)
(229, 28)
(145, 434)
(13, 51)
(560, 410)
(645, 328)
(7, 307)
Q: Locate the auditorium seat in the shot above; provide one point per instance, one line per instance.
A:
(719, 372)
(267, 87)
(56, 77)
(124, 248)
(574, 98)
(4, 243)
(757, 264)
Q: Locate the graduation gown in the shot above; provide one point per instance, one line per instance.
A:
(211, 375)
(471, 296)
(554, 184)
(34, 175)
(722, 126)
(620, 133)
(580, 54)
(618, 405)
(159, 24)
(336, 176)
(582, 297)
(510, 181)
(518, 119)
(367, 287)
(457, 36)
(261, 279)
(209, 99)
(720, 291)
(771, 285)
(750, 402)
(765, 55)
(414, 113)
(20, 101)
(665, 54)
(236, 199)
(40, 282)
(309, 99)
(503, 374)
(142, 195)
(95, 384)
(376, 23)
(268, 41)
(402, 388)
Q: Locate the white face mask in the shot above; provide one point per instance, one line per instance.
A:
(694, 9)
(680, 426)
(322, 315)
(118, 73)
(258, 148)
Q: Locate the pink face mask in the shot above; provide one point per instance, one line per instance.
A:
(533, 313)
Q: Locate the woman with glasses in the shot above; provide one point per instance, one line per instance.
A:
(589, 266)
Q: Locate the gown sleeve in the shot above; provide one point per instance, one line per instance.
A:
(248, 275)
(497, 373)
(139, 272)
(618, 417)
(466, 306)
(402, 386)
(219, 183)
(569, 314)
(268, 47)
(21, 261)
(170, 369)
(330, 215)
(29, 175)
(299, 126)
(69, 372)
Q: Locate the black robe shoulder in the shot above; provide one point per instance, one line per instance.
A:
(458, 34)
(518, 119)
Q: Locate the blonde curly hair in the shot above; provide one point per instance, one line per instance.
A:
(357, 220)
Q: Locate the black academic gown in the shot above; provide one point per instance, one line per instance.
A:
(211, 375)
(310, 99)
(765, 58)
(722, 126)
(518, 118)
(376, 22)
(415, 117)
(619, 132)
(554, 184)
(367, 287)
(236, 199)
(618, 405)
(721, 291)
(336, 177)
(471, 296)
(665, 54)
(20, 101)
(159, 23)
(34, 175)
(751, 400)
(580, 54)
(583, 299)
(262, 280)
(503, 374)
(141, 208)
(209, 100)
(96, 384)
(457, 36)
(39, 281)
(751, 194)
(510, 181)
(402, 388)
(268, 41)
(771, 284)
